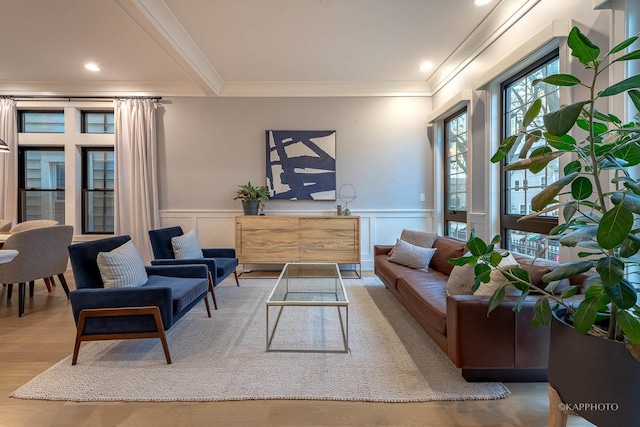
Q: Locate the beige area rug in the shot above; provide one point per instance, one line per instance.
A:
(224, 358)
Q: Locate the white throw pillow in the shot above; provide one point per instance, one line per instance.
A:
(497, 280)
(122, 267)
(461, 279)
(186, 246)
(411, 256)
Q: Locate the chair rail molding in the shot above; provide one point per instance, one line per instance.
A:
(216, 228)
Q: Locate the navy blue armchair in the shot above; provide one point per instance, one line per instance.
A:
(128, 313)
(221, 262)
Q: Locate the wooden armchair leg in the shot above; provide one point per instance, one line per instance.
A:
(213, 292)
(32, 285)
(206, 303)
(9, 291)
(47, 283)
(21, 297)
(63, 281)
(235, 273)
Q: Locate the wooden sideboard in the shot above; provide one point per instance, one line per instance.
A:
(282, 239)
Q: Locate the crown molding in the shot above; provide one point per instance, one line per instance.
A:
(99, 88)
(323, 89)
(452, 104)
(504, 15)
(156, 19)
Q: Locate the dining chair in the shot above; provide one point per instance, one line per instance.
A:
(42, 252)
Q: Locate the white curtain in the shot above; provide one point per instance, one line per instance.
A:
(9, 161)
(136, 183)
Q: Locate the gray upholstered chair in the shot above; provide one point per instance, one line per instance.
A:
(5, 225)
(36, 223)
(42, 252)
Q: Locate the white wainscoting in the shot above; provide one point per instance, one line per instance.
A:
(216, 228)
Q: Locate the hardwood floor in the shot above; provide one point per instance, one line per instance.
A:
(45, 335)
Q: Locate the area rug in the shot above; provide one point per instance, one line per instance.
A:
(223, 358)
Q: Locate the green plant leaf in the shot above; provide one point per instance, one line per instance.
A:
(548, 194)
(495, 258)
(581, 47)
(471, 260)
(496, 239)
(626, 84)
(630, 201)
(574, 166)
(629, 153)
(614, 227)
(559, 80)
(570, 291)
(598, 128)
(504, 148)
(569, 210)
(586, 315)
(532, 112)
(610, 269)
(629, 56)
(622, 294)
(569, 269)
(630, 325)
(477, 246)
(531, 139)
(483, 273)
(560, 121)
(558, 229)
(629, 248)
(622, 46)
(517, 305)
(496, 299)
(564, 142)
(537, 162)
(519, 278)
(581, 188)
(542, 312)
(635, 98)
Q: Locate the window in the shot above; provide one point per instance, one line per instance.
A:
(527, 236)
(455, 182)
(97, 190)
(41, 184)
(41, 121)
(97, 122)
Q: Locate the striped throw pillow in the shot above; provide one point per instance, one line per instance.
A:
(123, 267)
(186, 246)
(411, 256)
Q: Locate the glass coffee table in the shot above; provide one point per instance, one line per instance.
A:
(309, 285)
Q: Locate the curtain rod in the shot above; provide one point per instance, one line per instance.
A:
(70, 98)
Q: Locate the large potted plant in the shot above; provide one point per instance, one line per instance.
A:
(593, 339)
(251, 197)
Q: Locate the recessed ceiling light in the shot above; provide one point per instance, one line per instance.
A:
(481, 2)
(426, 66)
(91, 67)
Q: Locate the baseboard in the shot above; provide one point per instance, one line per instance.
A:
(505, 375)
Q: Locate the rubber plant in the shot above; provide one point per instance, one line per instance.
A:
(598, 197)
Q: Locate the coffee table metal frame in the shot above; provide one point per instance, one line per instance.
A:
(309, 298)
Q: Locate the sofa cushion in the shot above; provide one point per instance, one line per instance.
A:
(184, 290)
(186, 246)
(388, 271)
(446, 248)
(122, 267)
(411, 256)
(425, 292)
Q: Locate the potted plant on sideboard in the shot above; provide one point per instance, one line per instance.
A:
(251, 197)
(593, 359)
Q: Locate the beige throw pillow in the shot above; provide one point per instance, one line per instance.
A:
(461, 279)
(498, 280)
(411, 256)
(418, 238)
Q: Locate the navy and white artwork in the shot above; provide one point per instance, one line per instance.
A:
(301, 164)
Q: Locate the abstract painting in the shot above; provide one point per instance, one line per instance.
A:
(301, 164)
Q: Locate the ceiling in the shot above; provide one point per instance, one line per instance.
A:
(243, 47)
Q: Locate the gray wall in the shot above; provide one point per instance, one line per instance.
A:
(207, 146)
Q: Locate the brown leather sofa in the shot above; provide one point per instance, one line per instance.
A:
(500, 347)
